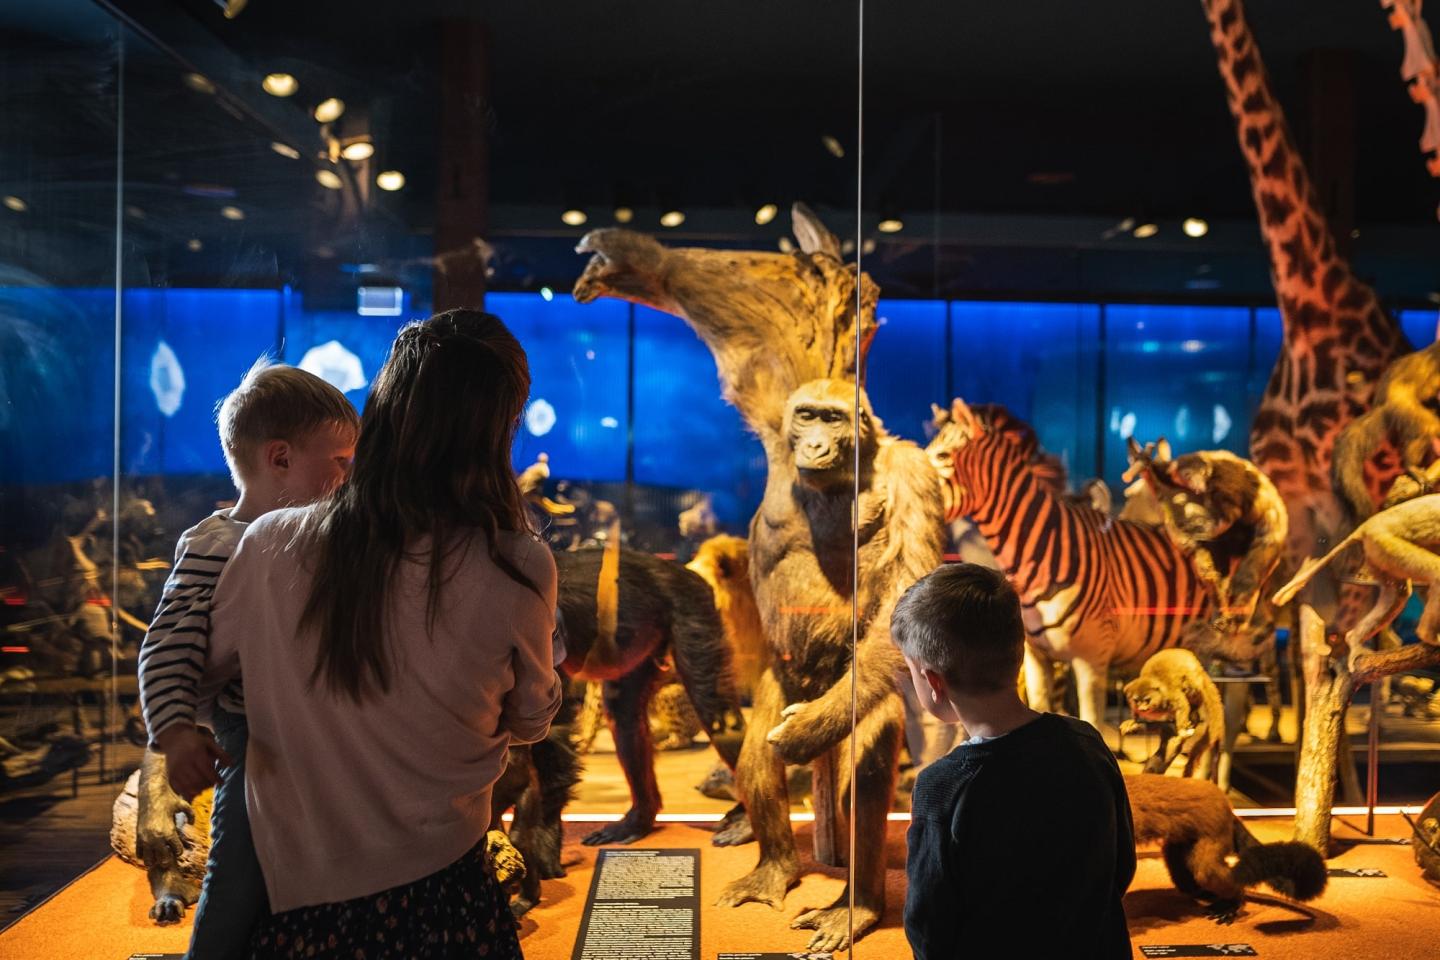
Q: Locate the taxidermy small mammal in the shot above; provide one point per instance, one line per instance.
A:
(1175, 693)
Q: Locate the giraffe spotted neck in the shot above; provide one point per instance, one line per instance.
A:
(1337, 338)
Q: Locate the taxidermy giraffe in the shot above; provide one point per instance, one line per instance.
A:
(1337, 338)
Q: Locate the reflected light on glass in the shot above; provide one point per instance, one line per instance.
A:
(624, 214)
(1195, 227)
(547, 294)
(832, 146)
(232, 213)
(672, 218)
(280, 84)
(359, 150)
(390, 180)
(16, 204)
(328, 111)
(890, 225)
(1193, 346)
(573, 217)
(787, 245)
(765, 214)
(1145, 231)
(328, 179)
(194, 245)
(285, 150)
(199, 83)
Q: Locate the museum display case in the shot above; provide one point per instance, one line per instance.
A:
(815, 299)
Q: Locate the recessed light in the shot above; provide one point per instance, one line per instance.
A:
(672, 218)
(390, 180)
(328, 111)
(194, 245)
(832, 146)
(765, 214)
(1195, 227)
(280, 84)
(232, 213)
(16, 204)
(285, 150)
(1145, 231)
(328, 179)
(359, 150)
(890, 225)
(786, 245)
(624, 214)
(574, 217)
(199, 83)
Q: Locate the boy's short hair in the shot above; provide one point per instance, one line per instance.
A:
(276, 401)
(963, 622)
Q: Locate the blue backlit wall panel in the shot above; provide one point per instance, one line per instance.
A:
(1180, 372)
(579, 375)
(1419, 327)
(685, 435)
(905, 372)
(1039, 360)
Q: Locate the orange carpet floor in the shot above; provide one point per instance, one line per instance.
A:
(102, 915)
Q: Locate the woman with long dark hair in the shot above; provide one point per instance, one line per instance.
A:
(395, 639)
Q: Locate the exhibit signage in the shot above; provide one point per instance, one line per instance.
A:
(1199, 950)
(1356, 872)
(643, 905)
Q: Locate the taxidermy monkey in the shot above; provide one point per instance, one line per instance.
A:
(1398, 544)
(724, 563)
(1225, 515)
(1175, 693)
(1199, 834)
(539, 780)
(1402, 414)
(623, 611)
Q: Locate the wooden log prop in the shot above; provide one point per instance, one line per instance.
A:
(1332, 671)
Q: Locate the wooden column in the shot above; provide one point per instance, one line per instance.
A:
(1330, 136)
(462, 193)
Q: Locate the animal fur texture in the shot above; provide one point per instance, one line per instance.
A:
(1176, 695)
(724, 563)
(660, 609)
(1399, 548)
(538, 782)
(1198, 835)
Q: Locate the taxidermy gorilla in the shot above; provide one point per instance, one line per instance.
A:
(1208, 851)
(789, 344)
(620, 617)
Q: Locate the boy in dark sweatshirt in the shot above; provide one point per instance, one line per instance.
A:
(1020, 836)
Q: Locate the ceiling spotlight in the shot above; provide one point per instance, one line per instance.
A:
(328, 179)
(868, 247)
(1195, 227)
(832, 146)
(194, 245)
(359, 150)
(16, 204)
(199, 83)
(890, 225)
(672, 218)
(1145, 231)
(390, 180)
(285, 150)
(232, 213)
(787, 245)
(280, 84)
(328, 111)
(574, 217)
(765, 214)
(624, 214)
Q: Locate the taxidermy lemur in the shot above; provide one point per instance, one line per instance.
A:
(1399, 548)
(1175, 694)
(1198, 835)
(1402, 414)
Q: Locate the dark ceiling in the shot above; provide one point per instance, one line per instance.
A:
(1024, 108)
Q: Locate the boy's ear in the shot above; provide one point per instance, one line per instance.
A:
(937, 684)
(276, 455)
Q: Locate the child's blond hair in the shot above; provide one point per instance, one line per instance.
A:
(276, 401)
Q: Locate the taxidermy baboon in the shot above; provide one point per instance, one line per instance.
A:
(789, 344)
(1175, 694)
(1224, 515)
(1401, 414)
(654, 608)
(539, 780)
(1199, 834)
(724, 563)
(1398, 545)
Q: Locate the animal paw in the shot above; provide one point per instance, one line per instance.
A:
(832, 927)
(735, 829)
(794, 737)
(167, 910)
(1223, 912)
(633, 826)
(767, 883)
(521, 906)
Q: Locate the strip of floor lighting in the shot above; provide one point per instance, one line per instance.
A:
(1384, 811)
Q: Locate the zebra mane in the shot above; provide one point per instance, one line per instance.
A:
(1046, 467)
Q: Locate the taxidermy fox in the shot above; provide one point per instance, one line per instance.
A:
(1208, 851)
